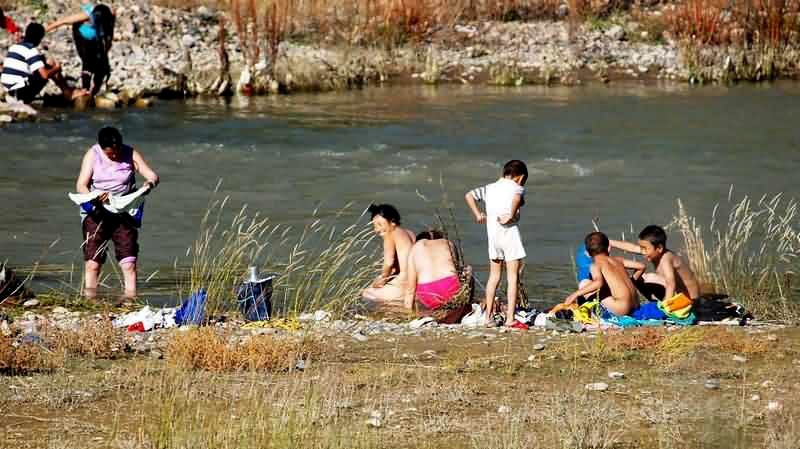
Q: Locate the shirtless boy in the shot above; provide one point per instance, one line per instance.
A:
(672, 272)
(610, 277)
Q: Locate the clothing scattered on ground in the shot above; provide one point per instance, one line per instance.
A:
(193, 309)
(505, 242)
(289, 324)
(712, 308)
(475, 317)
(146, 319)
(21, 62)
(648, 311)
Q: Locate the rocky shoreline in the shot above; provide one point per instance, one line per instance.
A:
(33, 327)
(169, 53)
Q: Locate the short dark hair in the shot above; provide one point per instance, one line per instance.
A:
(34, 33)
(386, 211)
(2, 19)
(655, 235)
(515, 168)
(596, 243)
(433, 234)
(109, 137)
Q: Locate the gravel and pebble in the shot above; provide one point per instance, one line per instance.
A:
(160, 51)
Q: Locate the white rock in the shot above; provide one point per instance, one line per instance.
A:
(774, 406)
(360, 337)
(538, 347)
(740, 359)
(772, 337)
(597, 386)
(60, 311)
(712, 384)
(374, 422)
(31, 303)
(755, 397)
(188, 41)
(6, 118)
(616, 375)
(504, 409)
(322, 316)
(616, 32)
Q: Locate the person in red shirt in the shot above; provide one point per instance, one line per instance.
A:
(7, 24)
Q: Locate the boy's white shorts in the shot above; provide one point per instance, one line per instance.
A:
(505, 243)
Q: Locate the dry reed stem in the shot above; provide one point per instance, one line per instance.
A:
(208, 350)
(752, 256)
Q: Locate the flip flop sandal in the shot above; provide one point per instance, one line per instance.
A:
(517, 325)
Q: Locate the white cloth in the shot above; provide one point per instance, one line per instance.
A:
(130, 203)
(162, 318)
(505, 241)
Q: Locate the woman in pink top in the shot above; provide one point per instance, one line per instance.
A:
(110, 167)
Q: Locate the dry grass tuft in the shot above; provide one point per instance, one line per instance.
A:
(752, 256)
(658, 346)
(95, 339)
(206, 349)
(26, 358)
(760, 23)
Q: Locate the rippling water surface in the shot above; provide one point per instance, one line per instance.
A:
(621, 154)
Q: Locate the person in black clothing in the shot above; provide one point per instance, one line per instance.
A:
(93, 32)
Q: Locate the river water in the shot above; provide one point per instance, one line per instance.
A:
(623, 154)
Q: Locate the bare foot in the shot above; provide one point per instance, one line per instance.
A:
(78, 93)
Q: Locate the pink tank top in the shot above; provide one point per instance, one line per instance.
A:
(112, 176)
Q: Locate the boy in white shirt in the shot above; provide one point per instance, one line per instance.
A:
(502, 200)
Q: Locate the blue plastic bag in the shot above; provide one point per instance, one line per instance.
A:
(193, 309)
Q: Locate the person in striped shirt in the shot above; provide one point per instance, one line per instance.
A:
(26, 71)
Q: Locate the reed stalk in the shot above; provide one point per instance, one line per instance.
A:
(750, 254)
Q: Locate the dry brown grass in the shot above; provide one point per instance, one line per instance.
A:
(658, 346)
(94, 339)
(769, 23)
(27, 358)
(206, 349)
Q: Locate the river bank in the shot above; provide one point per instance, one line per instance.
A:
(378, 384)
(168, 53)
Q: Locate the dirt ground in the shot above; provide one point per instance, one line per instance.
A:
(700, 387)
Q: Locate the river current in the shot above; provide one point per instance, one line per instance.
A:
(621, 155)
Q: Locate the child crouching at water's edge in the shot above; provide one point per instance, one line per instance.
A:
(502, 201)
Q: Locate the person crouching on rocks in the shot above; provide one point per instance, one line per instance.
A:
(110, 166)
(93, 32)
(26, 71)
